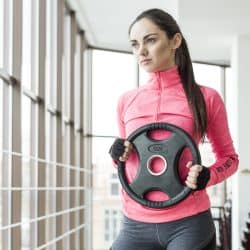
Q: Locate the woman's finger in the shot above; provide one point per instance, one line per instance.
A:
(128, 144)
(190, 185)
(192, 179)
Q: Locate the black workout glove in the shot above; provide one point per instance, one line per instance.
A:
(117, 149)
(203, 178)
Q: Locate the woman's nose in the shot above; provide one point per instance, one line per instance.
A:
(142, 50)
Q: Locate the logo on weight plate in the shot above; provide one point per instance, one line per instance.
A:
(155, 148)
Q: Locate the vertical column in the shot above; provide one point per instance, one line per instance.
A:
(16, 162)
(77, 137)
(88, 149)
(6, 166)
(72, 126)
(81, 138)
(67, 123)
(34, 126)
(239, 116)
(58, 50)
(40, 74)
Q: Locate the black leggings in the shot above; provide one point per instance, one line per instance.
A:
(210, 246)
(192, 233)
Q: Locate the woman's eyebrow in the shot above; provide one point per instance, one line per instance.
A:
(145, 37)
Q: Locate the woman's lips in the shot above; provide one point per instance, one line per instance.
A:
(145, 61)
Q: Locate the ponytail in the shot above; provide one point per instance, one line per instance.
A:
(192, 90)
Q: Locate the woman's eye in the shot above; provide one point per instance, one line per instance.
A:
(151, 40)
(134, 45)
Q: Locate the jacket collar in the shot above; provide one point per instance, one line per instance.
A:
(165, 79)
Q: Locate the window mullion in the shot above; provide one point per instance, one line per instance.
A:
(88, 146)
(72, 83)
(16, 121)
(58, 55)
(81, 144)
(7, 114)
(41, 142)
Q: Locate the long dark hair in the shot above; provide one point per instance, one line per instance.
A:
(182, 59)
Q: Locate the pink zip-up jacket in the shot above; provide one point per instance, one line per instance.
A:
(162, 99)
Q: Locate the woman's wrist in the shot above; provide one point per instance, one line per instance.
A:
(203, 178)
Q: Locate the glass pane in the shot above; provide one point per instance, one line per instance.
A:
(113, 74)
(114, 189)
(26, 42)
(1, 33)
(77, 75)
(1, 148)
(66, 66)
(232, 115)
(1, 118)
(6, 100)
(208, 75)
(103, 202)
(26, 119)
(50, 174)
(230, 95)
(48, 85)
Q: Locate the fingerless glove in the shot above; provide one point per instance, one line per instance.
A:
(117, 149)
(203, 178)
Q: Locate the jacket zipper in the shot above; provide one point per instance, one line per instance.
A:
(159, 99)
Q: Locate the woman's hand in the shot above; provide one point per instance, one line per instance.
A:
(120, 149)
(127, 149)
(198, 176)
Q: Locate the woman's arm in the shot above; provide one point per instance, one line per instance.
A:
(219, 136)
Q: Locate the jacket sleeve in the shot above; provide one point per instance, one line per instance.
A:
(120, 123)
(120, 119)
(226, 159)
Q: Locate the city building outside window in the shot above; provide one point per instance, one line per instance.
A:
(111, 225)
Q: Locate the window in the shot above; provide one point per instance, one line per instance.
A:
(1, 125)
(112, 74)
(105, 177)
(114, 185)
(111, 224)
(1, 32)
(1, 146)
(5, 160)
(232, 116)
(33, 173)
(143, 76)
(209, 75)
(27, 43)
(26, 171)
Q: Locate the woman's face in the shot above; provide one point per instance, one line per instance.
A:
(151, 46)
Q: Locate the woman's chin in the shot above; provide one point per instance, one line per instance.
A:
(148, 68)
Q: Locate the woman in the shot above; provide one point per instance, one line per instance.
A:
(171, 95)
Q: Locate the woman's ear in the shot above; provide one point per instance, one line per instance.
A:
(176, 41)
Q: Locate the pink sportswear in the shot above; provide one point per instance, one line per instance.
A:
(162, 99)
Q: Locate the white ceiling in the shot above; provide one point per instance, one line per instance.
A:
(208, 26)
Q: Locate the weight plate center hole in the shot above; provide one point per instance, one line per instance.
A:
(156, 165)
